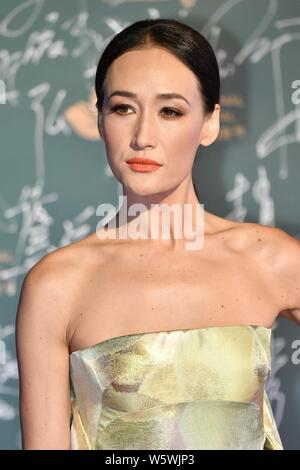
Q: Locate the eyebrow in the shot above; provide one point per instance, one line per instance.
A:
(164, 96)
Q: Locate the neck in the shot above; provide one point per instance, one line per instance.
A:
(174, 219)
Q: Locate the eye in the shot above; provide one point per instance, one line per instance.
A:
(125, 106)
(176, 113)
(119, 106)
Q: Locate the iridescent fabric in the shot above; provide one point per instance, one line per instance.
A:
(202, 388)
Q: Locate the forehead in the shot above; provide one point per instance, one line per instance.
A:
(146, 69)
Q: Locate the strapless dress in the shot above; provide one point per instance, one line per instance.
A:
(200, 388)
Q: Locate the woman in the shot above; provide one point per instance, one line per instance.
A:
(141, 343)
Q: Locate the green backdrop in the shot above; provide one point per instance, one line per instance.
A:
(53, 168)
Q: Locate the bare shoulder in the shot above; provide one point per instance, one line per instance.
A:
(271, 245)
(260, 247)
(54, 285)
(64, 265)
(259, 240)
(276, 256)
(56, 269)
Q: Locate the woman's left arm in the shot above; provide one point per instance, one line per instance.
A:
(286, 269)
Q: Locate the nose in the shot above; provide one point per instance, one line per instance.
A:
(144, 135)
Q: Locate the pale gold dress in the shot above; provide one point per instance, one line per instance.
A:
(201, 388)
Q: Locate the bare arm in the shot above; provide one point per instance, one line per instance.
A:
(288, 270)
(43, 357)
(282, 256)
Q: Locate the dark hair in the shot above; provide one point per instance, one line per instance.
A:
(187, 44)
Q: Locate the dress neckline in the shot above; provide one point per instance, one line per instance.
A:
(114, 338)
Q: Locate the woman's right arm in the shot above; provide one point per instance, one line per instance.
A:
(43, 357)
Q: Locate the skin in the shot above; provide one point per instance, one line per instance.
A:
(88, 291)
(146, 126)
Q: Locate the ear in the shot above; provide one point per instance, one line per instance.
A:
(211, 127)
(100, 124)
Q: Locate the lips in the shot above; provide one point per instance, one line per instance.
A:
(143, 161)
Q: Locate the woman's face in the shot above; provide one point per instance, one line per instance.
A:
(167, 130)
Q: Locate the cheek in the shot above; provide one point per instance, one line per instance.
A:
(182, 147)
(114, 140)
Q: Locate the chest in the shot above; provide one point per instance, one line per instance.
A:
(157, 293)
